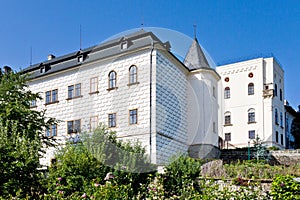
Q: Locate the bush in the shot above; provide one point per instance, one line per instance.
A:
(181, 174)
(284, 187)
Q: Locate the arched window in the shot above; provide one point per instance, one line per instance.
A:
(227, 93)
(275, 90)
(227, 116)
(276, 116)
(250, 89)
(251, 115)
(280, 94)
(281, 119)
(132, 74)
(112, 80)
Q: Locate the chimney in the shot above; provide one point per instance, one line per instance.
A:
(51, 56)
(7, 69)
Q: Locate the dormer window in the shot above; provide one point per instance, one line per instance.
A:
(80, 58)
(124, 45)
(44, 68)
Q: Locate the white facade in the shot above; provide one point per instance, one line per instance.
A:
(251, 103)
(170, 106)
(154, 107)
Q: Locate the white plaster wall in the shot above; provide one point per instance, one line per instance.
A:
(203, 108)
(118, 101)
(171, 108)
(240, 102)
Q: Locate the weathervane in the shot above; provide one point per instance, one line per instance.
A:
(195, 30)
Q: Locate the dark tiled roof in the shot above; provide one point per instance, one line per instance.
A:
(134, 41)
(195, 58)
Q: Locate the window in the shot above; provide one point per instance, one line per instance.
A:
(74, 126)
(52, 131)
(94, 85)
(281, 139)
(214, 127)
(276, 136)
(276, 116)
(93, 123)
(112, 120)
(250, 75)
(51, 96)
(227, 136)
(250, 89)
(133, 74)
(281, 119)
(124, 45)
(74, 91)
(251, 115)
(227, 93)
(214, 91)
(227, 118)
(48, 97)
(275, 90)
(112, 80)
(251, 134)
(133, 114)
(280, 94)
(32, 103)
(226, 79)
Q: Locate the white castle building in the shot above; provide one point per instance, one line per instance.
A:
(138, 88)
(252, 103)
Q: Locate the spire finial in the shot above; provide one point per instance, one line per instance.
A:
(195, 30)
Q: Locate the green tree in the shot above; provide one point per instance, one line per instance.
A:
(21, 137)
(295, 131)
(82, 165)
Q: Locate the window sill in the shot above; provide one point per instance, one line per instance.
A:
(74, 97)
(33, 106)
(228, 124)
(136, 83)
(252, 122)
(114, 88)
(53, 102)
(95, 92)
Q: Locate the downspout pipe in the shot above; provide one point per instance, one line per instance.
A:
(150, 121)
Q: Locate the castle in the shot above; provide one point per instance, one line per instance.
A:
(137, 87)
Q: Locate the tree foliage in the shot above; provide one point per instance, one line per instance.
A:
(295, 131)
(21, 137)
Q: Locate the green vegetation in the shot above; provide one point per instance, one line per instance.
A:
(99, 166)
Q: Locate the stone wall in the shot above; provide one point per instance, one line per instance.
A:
(283, 157)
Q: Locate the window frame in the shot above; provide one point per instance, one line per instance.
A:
(133, 116)
(276, 117)
(251, 134)
(51, 97)
(74, 91)
(227, 137)
(112, 120)
(251, 116)
(227, 93)
(112, 80)
(51, 131)
(93, 123)
(94, 85)
(251, 89)
(133, 75)
(227, 119)
(75, 126)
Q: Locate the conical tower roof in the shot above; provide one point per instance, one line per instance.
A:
(195, 58)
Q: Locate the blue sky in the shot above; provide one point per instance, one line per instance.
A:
(228, 30)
